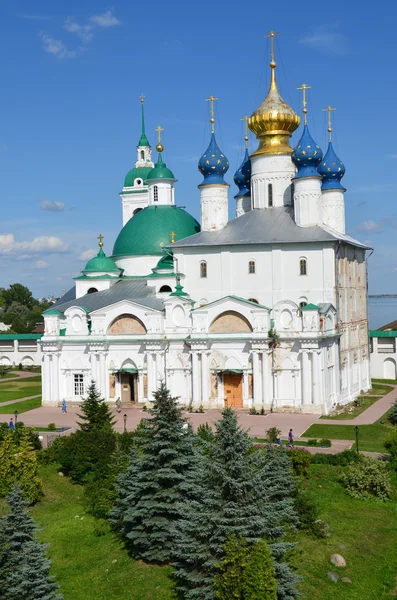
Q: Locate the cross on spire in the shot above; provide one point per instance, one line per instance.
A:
(159, 130)
(172, 236)
(328, 110)
(100, 238)
(303, 88)
(211, 100)
(272, 34)
(245, 130)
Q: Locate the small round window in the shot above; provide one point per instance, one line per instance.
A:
(138, 181)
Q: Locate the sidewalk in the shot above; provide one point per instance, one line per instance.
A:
(369, 416)
(20, 375)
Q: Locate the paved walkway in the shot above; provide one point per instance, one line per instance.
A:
(19, 400)
(369, 416)
(20, 375)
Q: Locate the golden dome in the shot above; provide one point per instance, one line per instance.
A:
(273, 122)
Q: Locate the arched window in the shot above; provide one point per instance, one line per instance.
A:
(253, 300)
(138, 182)
(292, 193)
(165, 288)
(142, 155)
(136, 211)
(203, 269)
(251, 267)
(155, 193)
(270, 194)
(92, 291)
(301, 305)
(302, 266)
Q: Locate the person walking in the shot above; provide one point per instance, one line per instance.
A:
(11, 424)
(64, 407)
(290, 438)
(118, 405)
(278, 440)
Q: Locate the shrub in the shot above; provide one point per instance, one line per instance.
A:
(311, 443)
(340, 459)
(301, 460)
(201, 408)
(204, 431)
(272, 433)
(51, 427)
(252, 411)
(391, 445)
(308, 513)
(369, 477)
(324, 443)
(393, 414)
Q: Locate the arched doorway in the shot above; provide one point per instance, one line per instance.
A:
(128, 376)
(389, 368)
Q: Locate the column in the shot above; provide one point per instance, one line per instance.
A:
(266, 399)
(101, 374)
(195, 379)
(256, 374)
(94, 367)
(158, 377)
(306, 396)
(46, 378)
(317, 388)
(149, 367)
(55, 378)
(204, 379)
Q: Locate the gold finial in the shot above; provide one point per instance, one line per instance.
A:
(328, 110)
(142, 97)
(159, 146)
(100, 238)
(272, 34)
(245, 130)
(172, 236)
(211, 100)
(304, 87)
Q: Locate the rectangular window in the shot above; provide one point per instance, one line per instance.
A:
(78, 384)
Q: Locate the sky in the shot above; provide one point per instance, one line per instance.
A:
(73, 71)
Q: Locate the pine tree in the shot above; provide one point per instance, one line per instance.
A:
(18, 462)
(96, 414)
(24, 568)
(243, 493)
(259, 580)
(151, 489)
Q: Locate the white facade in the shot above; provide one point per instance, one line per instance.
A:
(214, 206)
(18, 349)
(383, 354)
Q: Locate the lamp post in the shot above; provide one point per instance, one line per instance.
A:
(125, 423)
(356, 432)
(16, 418)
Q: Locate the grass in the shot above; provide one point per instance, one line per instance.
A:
(22, 380)
(7, 376)
(365, 402)
(379, 389)
(21, 407)
(367, 529)
(371, 437)
(13, 390)
(88, 566)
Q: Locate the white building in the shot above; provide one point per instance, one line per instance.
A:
(20, 348)
(269, 310)
(383, 352)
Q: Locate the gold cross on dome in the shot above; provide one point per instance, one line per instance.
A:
(245, 130)
(172, 236)
(272, 34)
(211, 100)
(142, 97)
(303, 88)
(328, 110)
(159, 130)
(100, 238)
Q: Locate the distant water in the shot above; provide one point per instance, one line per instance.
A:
(381, 311)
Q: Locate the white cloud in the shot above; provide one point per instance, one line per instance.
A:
(41, 264)
(56, 47)
(88, 254)
(39, 245)
(329, 42)
(106, 19)
(371, 226)
(52, 205)
(84, 32)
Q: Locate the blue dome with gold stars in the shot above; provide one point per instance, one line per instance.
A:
(242, 177)
(213, 164)
(332, 170)
(306, 156)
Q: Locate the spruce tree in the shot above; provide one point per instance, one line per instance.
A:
(152, 488)
(96, 414)
(243, 492)
(18, 462)
(259, 580)
(24, 568)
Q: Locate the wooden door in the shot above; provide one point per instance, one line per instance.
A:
(233, 389)
(125, 388)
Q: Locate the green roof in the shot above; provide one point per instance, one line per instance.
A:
(20, 336)
(148, 232)
(101, 264)
(160, 170)
(52, 312)
(310, 307)
(143, 141)
(165, 263)
(136, 173)
(381, 334)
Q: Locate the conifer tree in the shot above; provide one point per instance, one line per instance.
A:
(151, 489)
(96, 414)
(243, 493)
(24, 568)
(393, 414)
(18, 462)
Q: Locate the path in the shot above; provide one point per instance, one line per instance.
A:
(371, 414)
(20, 375)
(18, 400)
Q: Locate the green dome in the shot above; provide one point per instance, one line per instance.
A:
(165, 263)
(136, 173)
(101, 264)
(160, 171)
(149, 230)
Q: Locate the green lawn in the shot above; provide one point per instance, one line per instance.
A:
(379, 389)
(367, 529)
(13, 390)
(6, 376)
(365, 402)
(20, 380)
(87, 566)
(21, 407)
(371, 437)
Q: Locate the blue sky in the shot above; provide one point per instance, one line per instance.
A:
(71, 76)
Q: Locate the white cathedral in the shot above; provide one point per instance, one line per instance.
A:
(267, 310)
